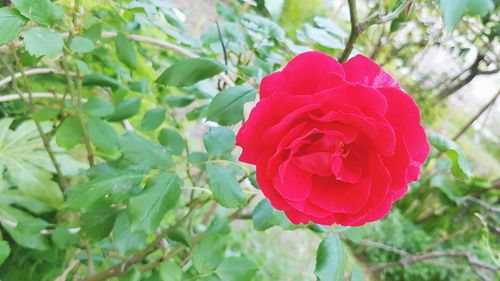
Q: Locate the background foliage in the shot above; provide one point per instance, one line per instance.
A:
(117, 150)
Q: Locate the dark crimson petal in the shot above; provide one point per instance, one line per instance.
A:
(340, 197)
(303, 75)
(366, 72)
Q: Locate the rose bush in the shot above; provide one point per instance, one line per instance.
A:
(333, 143)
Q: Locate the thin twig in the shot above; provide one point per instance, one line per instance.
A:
(353, 36)
(383, 247)
(27, 72)
(46, 142)
(72, 263)
(143, 39)
(475, 117)
(358, 28)
(485, 205)
(76, 97)
(412, 259)
(124, 266)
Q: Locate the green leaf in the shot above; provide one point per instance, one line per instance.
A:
(125, 51)
(219, 225)
(189, 71)
(4, 251)
(82, 67)
(357, 274)
(133, 275)
(479, 7)
(42, 12)
(45, 114)
(94, 32)
(448, 187)
(82, 45)
(225, 188)
(160, 195)
(331, 259)
(219, 141)
(172, 140)
(208, 254)
(103, 136)
(125, 109)
(179, 101)
(11, 23)
(153, 118)
(355, 234)
(237, 269)
(40, 41)
(63, 238)
(96, 79)
(211, 277)
(98, 106)
(459, 165)
(125, 240)
(453, 11)
(35, 183)
(180, 235)
(23, 228)
(322, 37)
(110, 188)
(265, 216)
(98, 223)
(33, 205)
(143, 152)
(169, 271)
(70, 133)
(227, 107)
(23, 155)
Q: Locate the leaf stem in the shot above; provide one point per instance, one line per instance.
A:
(76, 97)
(46, 142)
(358, 27)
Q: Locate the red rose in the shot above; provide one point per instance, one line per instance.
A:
(333, 143)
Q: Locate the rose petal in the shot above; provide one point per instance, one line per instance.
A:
(315, 163)
(292, 182)
(364, 71)
(401, 104)
(351, 168)
(310, 209)
(340, 197)
(294, 80)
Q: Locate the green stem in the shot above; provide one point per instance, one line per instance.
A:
(76, 97)
(46, 142)
(358, 28)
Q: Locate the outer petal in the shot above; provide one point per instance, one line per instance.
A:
(366, 72)
(303, 75)
(402, 105)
